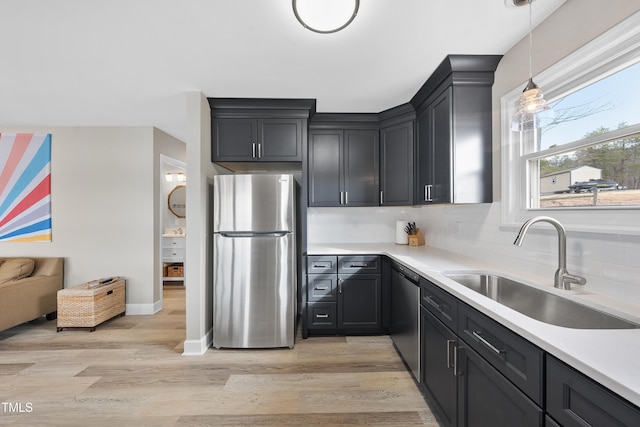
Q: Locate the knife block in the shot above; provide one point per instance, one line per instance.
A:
(416, 239)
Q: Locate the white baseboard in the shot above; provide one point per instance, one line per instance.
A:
(143, 309)
(198, 347)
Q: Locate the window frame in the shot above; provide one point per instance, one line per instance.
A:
(612, 51)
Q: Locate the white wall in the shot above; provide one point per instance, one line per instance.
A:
(103, 203)
(608, 261)
(200, 172)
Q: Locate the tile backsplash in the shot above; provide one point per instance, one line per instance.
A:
(609, 262)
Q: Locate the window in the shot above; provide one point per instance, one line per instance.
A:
(584, 165)
(591, 147)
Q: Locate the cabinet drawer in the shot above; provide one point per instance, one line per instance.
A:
(359, 264)
(322, 264)
(441, 303)
(321, 315)
(172, 242)
(516, 358)
(575, 400)
(173, 254)
(321, 287)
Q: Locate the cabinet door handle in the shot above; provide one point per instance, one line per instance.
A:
(322, 316)
(381, 198)
(253, 150)
(449, 342)
(260, 150)
(427, 193)
(363, 265)
(339, 285)
(431, 302)
(316, 265)
(321, 288)
(478, 335)
(346, 197)
(342, 197)
(455, 361)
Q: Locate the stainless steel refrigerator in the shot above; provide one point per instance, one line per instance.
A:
(254, 261)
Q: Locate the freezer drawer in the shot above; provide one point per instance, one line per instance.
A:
(254, 291)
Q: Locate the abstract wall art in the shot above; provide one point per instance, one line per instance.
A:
(25, 187)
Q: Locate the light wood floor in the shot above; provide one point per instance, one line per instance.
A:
(130, 372)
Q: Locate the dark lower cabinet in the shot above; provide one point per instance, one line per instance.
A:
(465, 388)
(359, 305)
(477, 372)
(575, 400)
(344, 295)
(487, 399)
(438, 378)
(321, 315)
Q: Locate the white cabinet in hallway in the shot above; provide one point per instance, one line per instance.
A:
(173, 254)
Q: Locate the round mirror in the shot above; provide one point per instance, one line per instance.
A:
(178, 201)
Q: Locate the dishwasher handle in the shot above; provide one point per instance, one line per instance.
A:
(406, 273)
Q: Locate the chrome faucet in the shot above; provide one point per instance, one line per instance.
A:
(563, 279)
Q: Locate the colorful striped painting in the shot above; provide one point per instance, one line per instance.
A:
(25, 187)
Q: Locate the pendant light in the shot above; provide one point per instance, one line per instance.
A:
(532, 107)
(325, 16)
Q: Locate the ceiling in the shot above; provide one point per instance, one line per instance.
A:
(130, 62)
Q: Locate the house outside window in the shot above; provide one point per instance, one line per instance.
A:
(583, 165)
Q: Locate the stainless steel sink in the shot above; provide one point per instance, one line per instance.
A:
(538, 304)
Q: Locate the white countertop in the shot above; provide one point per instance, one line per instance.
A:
(610, 357)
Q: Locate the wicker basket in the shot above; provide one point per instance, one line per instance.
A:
(175, 270)
(84, 306)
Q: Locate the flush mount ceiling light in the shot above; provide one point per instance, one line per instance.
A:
(532, 107)
(325, 16)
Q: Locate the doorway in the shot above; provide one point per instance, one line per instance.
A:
(173, 181)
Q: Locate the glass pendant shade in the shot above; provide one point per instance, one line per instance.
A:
(533, 109)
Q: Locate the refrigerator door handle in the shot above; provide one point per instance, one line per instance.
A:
(252, 234)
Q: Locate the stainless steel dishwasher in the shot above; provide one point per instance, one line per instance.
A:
(405, 315)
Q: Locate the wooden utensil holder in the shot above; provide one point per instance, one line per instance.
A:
(416, 239)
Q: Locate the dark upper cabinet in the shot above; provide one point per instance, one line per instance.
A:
(270, 140)
(361, 167)
(252, 130)
(434, 150)
(343, 164)
(325, 167)
(234, 139)
(453, 132)
(396, 156)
